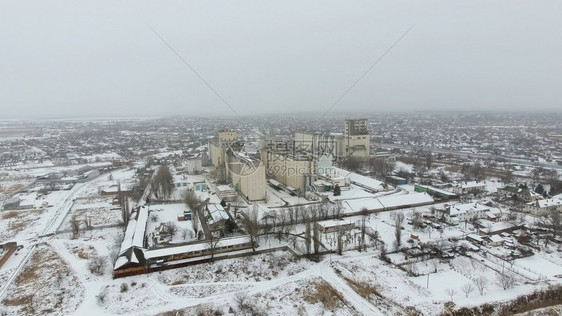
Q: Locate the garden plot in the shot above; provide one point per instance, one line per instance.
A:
(99, 211)
(46, 286)
(9, 187)
(211, 284)
(205, 290)
(12, 223)
(441, 283)
(470, 282)
(131, 296)
(248, 269)
(539, 265)
(385, 286)
(313, 296)
(307, 296)
(163, 222)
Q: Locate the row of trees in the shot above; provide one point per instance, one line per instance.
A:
(506, 280)
(162, 183)
(379, 166)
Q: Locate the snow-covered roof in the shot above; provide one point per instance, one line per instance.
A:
(321, 182)
(13, 200)
(549, 203)
(217, 213)
(168, 251)
(494, 227)
(475, 237)
(333, 223)
(138, 238)
(405, 199)
(226, 188)
(389, 201)
(134, 258)
(495, 238)
(434, 189)
(121, 261)
(368, 203)
(459, 209)
(471, 184)
(361, 180)
(129, 234)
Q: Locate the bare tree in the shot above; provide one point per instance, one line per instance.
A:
(417, 220)
(398, 231)
(435, 264)
(195, 222)
(75, 225)
(506, 280)
(307, 234)
(400, 217)
(154, 217)
(521, 219)
(251, 225)
(125, 216)
(243, 302)
(185, 233)
(512, 218)
(507, 177)
(383, 252)
(102, 294)
(283, 217)
(352, 164)
(273, 215)
(428, 160)
(170, 228)
(340, 242)
(338, 208)
(291, 211)
(451, 292)
(552, 221)
(429, 229)
(163, 182)
(467, 288)
(362, 242)
(481, 283)
(96, 265)
(194, 203)
(375, 238)
(316, 236)
(191, 199)
(212, 241)
(381, 166)
(88, 222)
(303, 213)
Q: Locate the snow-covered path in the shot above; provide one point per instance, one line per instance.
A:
(359, 303)
(64, 205)
(28, 249)
(322, 269)
(255, 288)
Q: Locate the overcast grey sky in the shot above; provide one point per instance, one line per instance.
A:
(100, 58)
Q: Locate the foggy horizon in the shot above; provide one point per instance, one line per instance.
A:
(313, 115)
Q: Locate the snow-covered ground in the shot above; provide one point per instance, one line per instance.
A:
(54, 274)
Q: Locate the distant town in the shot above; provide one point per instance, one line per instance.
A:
(429, 213)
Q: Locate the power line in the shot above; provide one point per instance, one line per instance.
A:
(366, 72)
(195, 72)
